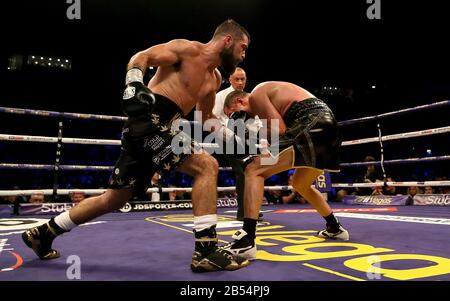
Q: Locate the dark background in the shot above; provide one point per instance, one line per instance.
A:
(314, 44)
(311, 43)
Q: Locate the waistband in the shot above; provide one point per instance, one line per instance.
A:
(166, 109)
(300, 108)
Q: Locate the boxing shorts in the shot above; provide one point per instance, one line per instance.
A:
(147, 146)
(313, 133)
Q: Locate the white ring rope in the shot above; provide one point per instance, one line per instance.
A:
(428, 132)
(121, 118)
(396, 184)
(61, 114)
(44, 139)
(68, 167)
(100, 191)
(219, 189)
(109, 168)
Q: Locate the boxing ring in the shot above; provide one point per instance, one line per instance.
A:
(389, 239)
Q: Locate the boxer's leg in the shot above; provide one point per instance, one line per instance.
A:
(255, 174)
(207, 256)
(302, 183)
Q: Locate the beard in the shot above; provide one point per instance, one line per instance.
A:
(228, 62)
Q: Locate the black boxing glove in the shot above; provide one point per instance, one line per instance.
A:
(137, 98)
(254, 126)
(239, 118)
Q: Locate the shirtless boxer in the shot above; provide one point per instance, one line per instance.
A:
(186, 77)
(309, 142)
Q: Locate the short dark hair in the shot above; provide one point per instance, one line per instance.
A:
(231, 27)
(232, 96)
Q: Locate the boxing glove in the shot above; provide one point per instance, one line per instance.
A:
(137, 99)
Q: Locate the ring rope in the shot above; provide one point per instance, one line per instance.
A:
(220, 189)
(66, 167)
(109, 168)
(121, 118)
(395, 113)
(50, 167)
(421, 133)
(117, 142)
(100, 191)
(397, 184)
(45, 139)
(395, 161)
(61, 114)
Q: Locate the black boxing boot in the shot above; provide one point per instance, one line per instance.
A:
(40, 239)
(334, 229)
(243, 244)
(208, 257)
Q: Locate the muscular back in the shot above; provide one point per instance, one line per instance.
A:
(270, 100)
(186, 78)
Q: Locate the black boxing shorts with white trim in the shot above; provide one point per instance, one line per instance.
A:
(147, 147)
(313, 133)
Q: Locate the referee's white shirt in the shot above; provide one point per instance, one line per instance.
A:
(220, 101)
